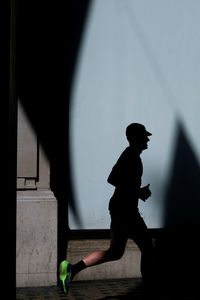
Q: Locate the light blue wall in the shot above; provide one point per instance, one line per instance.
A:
(139, 62)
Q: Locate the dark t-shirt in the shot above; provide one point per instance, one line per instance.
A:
(126, 177)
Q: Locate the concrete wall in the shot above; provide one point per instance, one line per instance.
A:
(139, 62)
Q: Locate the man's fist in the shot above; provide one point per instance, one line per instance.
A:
(145, 193)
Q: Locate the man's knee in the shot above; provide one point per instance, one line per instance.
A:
(116, 254)
(146, 247)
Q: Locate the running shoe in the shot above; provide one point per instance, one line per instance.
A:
(65, 275)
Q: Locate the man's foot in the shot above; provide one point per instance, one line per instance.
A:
(65, 275)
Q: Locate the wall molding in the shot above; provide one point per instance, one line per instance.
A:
(105, 233)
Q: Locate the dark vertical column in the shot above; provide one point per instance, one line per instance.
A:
(10, 201)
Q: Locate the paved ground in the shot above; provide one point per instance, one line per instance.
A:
(122, 289)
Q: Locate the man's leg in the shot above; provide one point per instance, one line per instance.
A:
(141, 236)
(115, 252)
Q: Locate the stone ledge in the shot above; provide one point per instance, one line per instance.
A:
(36, 255)
(35, 195)
(79, 245)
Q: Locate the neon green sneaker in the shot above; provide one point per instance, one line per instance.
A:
(65, 275)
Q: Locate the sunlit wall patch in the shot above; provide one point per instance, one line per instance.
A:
(132, 67)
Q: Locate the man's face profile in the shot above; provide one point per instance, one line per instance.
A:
(140, 142)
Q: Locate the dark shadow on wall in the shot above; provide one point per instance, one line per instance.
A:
(50, 34)
(178, 259)
(183, 192)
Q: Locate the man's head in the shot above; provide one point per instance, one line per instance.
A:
(137, 135)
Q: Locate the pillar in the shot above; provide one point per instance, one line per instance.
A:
(36, 253)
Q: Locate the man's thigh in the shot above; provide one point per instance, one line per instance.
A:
(140, 234)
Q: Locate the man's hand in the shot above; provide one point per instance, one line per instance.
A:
(145, 193)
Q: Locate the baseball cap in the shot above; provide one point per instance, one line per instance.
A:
(136, 130)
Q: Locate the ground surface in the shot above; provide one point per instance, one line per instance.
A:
(104, 290)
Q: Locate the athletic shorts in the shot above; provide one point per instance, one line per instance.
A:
(132, 226)
(127, 222)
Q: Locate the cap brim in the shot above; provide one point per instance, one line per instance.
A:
(148, 133)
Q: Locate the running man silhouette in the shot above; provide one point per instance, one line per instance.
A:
(126, 220)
